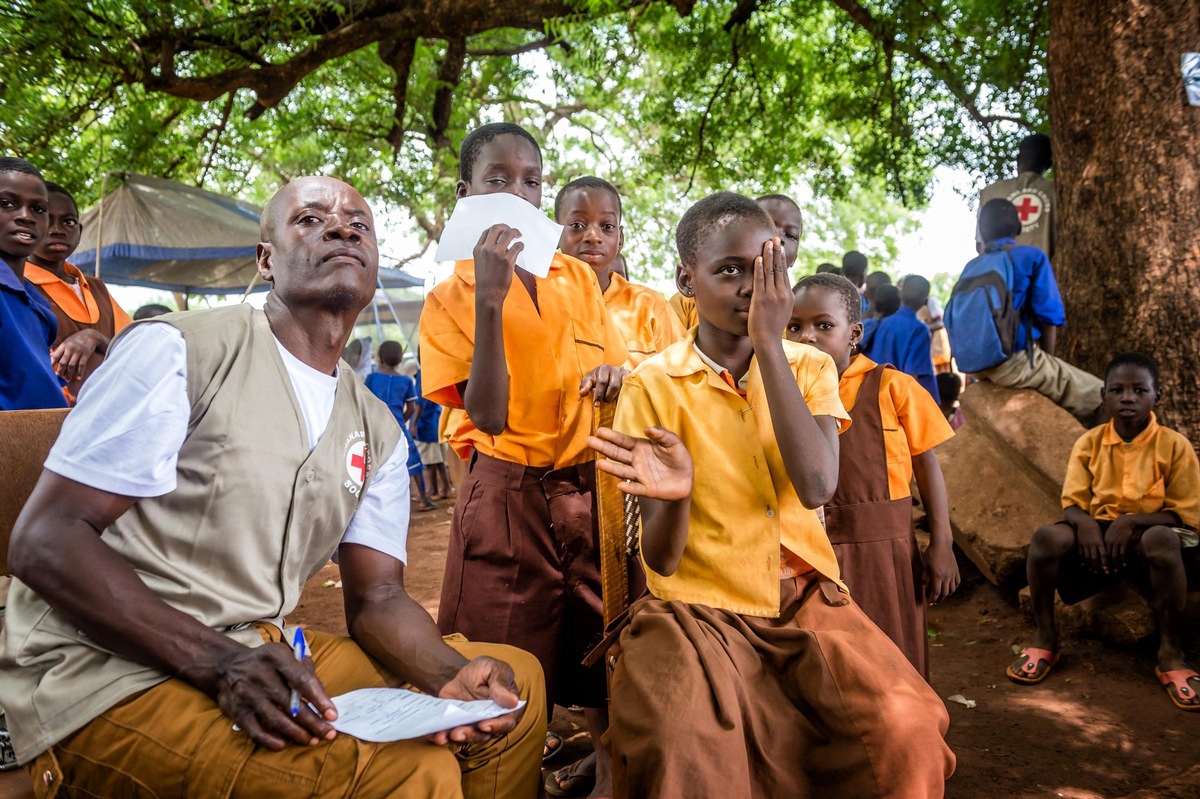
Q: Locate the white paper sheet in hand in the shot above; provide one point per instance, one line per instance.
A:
(475, 214)
(395, 714)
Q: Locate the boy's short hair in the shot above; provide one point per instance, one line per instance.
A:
(150, 311)
(783, 198)
(1034, 152)
(1138, 359)
(998, 219)
(847, 291)
(586, 182)
(20, 165)
(854, 265)
(886, 301)
(54, 188)
(828, 269)
(949, 387)
(468, 153)
(914, 291)
(391, 353)
(715, 211)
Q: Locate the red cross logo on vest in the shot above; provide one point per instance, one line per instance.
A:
(357, 462)
(1029, 208)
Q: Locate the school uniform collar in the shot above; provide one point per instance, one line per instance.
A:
(44, 277)
(998, 244)
(10, 281)
(859, 365)
(617, 286)
(465, 270)
(684, 359)
(1112, 438)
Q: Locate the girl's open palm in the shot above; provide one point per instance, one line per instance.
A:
(657, 467)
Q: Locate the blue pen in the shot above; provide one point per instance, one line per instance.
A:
(300, 650)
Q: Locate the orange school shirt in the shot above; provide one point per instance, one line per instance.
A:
(85, 310)
(685, 309)
(912, 422)
(743, 507)
(1157, 471)
(643, 318)
(547, 352)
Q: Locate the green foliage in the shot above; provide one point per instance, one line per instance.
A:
(849, 113)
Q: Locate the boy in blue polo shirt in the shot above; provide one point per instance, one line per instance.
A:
(27, 323)
(1035, 297)
(903, 340)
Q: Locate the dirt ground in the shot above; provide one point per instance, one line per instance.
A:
(1100, 726)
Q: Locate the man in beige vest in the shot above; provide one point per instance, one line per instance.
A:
(214, 463)
(1031, 192)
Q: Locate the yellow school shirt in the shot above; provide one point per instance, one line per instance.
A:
(685, 309)
(643, 318)
(912, 422)
(743, 506)
(1157, 471)
(548, 353)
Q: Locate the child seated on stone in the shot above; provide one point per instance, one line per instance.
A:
(1131, 503)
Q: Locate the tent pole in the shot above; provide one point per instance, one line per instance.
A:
(253, 282)
(378, 325)
(395, 318)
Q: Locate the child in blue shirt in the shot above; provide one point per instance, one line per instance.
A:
(399, 393)
(1036, 297)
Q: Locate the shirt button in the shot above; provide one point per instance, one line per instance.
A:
(770, 513)
(308, 478)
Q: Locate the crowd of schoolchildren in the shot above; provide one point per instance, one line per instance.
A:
(771, 433)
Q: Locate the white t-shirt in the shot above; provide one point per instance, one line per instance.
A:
(125, 433)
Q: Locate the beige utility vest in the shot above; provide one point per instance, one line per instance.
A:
(254, 514)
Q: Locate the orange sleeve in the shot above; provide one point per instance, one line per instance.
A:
(634, 411)
(1183, 484)
(1077, 485)
(918, 415)
(120, 318)
(817, 376)
(446, 352)
(684, 308)
(669, 328)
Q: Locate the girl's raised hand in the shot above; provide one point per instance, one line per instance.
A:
(772, 300)
(658, 466)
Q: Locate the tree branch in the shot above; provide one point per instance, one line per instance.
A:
(733, 62)
(940, 69)
(449, 74)
(540, 44)
(220, 130)
(398, 54)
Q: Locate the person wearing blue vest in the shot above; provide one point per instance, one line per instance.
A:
(28, 326)
(903, 340)
(1037, 302)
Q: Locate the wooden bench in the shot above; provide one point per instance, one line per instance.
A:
(25, 441)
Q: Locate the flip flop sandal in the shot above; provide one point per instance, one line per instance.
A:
(1183, 690)
(568, 782)
(554, 746)
(1027, 673)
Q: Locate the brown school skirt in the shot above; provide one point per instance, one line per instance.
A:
(817, 703)
(523, 569)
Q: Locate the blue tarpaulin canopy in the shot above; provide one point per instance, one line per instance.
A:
(165, 235)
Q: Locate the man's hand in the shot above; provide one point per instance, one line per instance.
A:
(772, 300)
(70, 359)
(941, 572)
(482, 678)
(604, 381)
(495, 259)
(658, 466)
(1116, 541)
(1091, 545)
(253, 687)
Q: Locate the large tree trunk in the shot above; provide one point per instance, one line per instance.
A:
(1127, 172)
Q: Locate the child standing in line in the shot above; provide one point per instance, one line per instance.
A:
(27, 380)
(1131, 503)
(425, 430)
(526, 357)
(399, 393)
(748, 671)
(869, 519)
(589, 209)
(88, 317)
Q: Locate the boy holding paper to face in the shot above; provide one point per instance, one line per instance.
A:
(526, 357)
